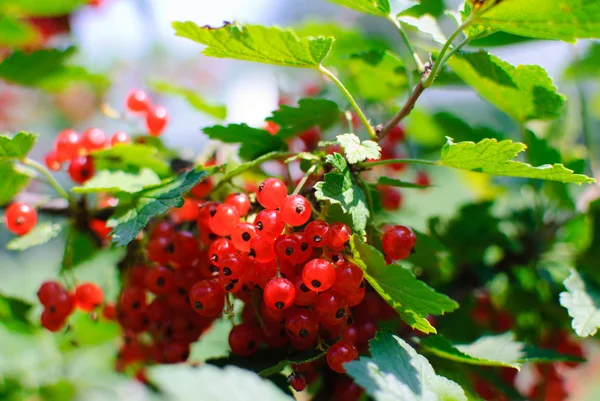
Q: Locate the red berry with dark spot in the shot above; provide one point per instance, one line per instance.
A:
(20, 218)
(304, 295)
(348, 278)
(207, 298)
(159, 280)
(287, 247)
(133, 299)
(269, 223)
(88, 296)
(279, 293)
(340, 353)
(318, 275)
(398, 242)
(219, 249)
(317, 233)
(297, 381)
(331, 308)
(203, 188)
(244, 339)
(271, 193)
(296, 210)
(82, 169)
(261, 249)
(339, 235)
(223, 220)
(301, 323)
(241, 236)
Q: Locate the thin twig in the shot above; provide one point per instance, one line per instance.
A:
(304, 179)
(366, 165)
(418, 63)
(405, 111)
(49, 177)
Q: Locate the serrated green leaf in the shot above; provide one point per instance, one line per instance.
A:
(192, 97)
(114, 181)
(410, 297)
(47, 69)
(309, 113)
(152, 202)
(16, 33)
(525, 92)
(492, 157)
(339, 188)
(35, 8)
(13, 181)
(269, 45)
(493, 350)
(181, 383)
(393, 182)
(131, 158)
(380, 8)
(17, 146)
(253, 142)
(585, 66)
(582, 300)
(395, 371)
(545, 19)
(357, 151)
(40, 234)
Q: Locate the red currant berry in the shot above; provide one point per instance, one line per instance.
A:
(133, 299)
(244, 339)
(304, 295)
(20, 218)
(271, 128)
(109, 312)
(318, 275)
(185, 250)
(346, 390)
(305, 252)
(82, 169)
(52, 162)
(188, 212)
(311, 138)
(219, 249)
(207, 210)
(391, 198)
(269, 223)
(339, 235)
(337, 258)
(301, 323)
(303, 344)
(156, 120)
(93, 139)
(163, 229)
(279, 293)
(287, 247)
(159, 250)
(159, 280)
(207, 298)
(271, 193)
(274, 335)
(423, 179)
(366, 331)
(203, 188)
(350, 333)
(88, 296)
(100, 228)
(298, 382)
(50, 322)
(48, 291)
(348, 278)
(331, 308)
(223, 220)
(340, 353)
(356, 297)
(261, 249)
(317, 233)
(232, 266)
(241, 236)
(240, 202)
(67, 145)
(296, 210)
(61, 305)
(396, 134)
(138, 101)
(264, 271)
(271, 315)
(398, 242)
(119, 137)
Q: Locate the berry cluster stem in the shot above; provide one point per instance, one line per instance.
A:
(49, 177)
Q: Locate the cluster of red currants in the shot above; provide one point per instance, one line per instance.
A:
(156, 117)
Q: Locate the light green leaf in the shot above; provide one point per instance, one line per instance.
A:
(380, 8)
(545, 19)
(493, 350)
(386, 66)
(410, 297)
(17, 146)
(582, 301)
(397, 372)
(119, 181)
(193, 98)
(47, 69)
(525, 92)
(16, 33)
(40, 234)
(36, 8)
(254, 142)
(339, 188)
(257, 43)
(309, 113)
(13, 181)
(425, 24)
(150, 203)
(587, 65)
(182, 383)
(132, 158)
(393, 182)
(492, 157)
(357, 151)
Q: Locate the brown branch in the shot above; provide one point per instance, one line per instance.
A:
(405, 111)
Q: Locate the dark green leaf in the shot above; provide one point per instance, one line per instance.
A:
(40, 234)
(498, 39)
(309, 113)
(132, 158)
(150, 203)
(432, 7)
(193, 98)
(59, 391)
(254, 142)
(582, 300)
(17, 146)
(257, 43)
(13, 314)
(396, 372)
(410, 297)
(114, 181)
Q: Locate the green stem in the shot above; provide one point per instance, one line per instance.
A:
(456, 48)
(348, 95)
(413, 53)
(304, 179)
(397, 161)
(585, 127)
(49, 177)
(365, 187)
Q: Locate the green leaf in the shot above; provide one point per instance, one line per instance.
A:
(182, 383)
(131, 158)
(257, 43)
(587, 65)
(13, 314)
(193, 98)
(113, 181)
(410, 297)
(582, 300)
(357, 151)
(492, 157)
(393, 182)
(339, 188)
(425, 24)
(309, 113)
(383, 64)
(17, 146)
(493, 350)
(432, 7)
(40, 234)
(379, 8)
(397, 372)
(253, 142)
(525, 92)
(47, 69)
(35, 8)
(545, 19)
(153, 202)
(16, 33)
(13, 181)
